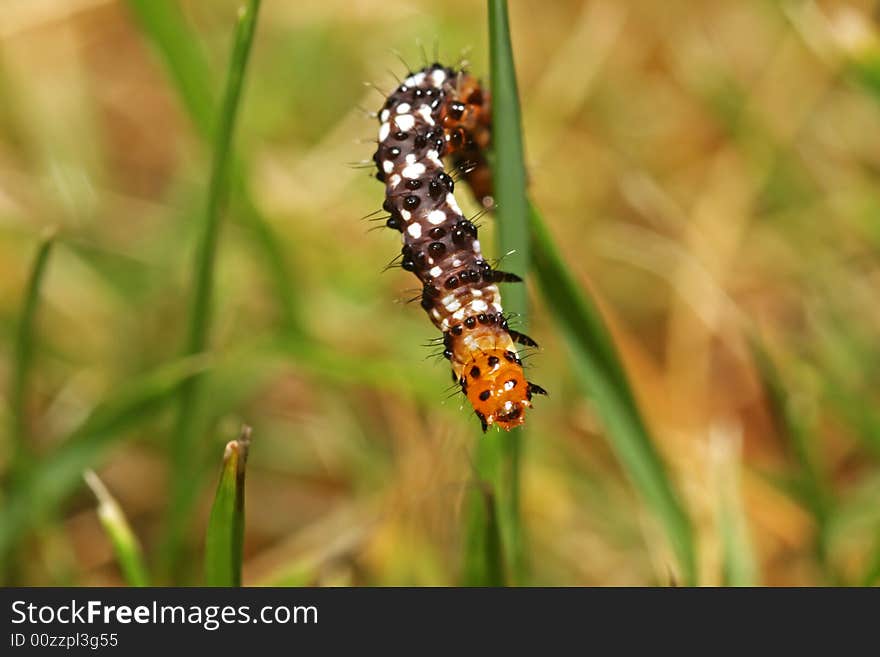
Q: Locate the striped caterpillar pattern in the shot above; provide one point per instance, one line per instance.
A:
(435, 113)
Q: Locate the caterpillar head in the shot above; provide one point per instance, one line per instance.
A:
(494, 383)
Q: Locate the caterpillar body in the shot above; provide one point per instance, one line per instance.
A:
(434, 113)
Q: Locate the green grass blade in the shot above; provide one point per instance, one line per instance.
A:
(224, 540)
(509, 182)
(737, 559)
(810, 485)
(864, 68)
(182, 55)
(165, 27)
(509, 173)
(872, 572)
(498, 457)
(187, 433)
(792, 426)
(23, 357)
(598, 367)
(54, 478)
(125, 543)
(738, 563)
(200, 316)
(484, 563)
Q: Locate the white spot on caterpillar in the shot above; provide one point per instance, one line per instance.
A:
(437, 217)
(508, 385)
(430, 260)
(384, 131)
(405, 122)
(456, 263)
(425, 112)
(415, 79)
(438, 77)
(388, 166)
(452, 307)
(435, 313)
(477, 293)
(394, 180)
(403, 108)
(384, 115)
(508, 405)
(450, 201)
(445, 324)
(435, 271)
(411, 158)
(459, 315)
(476, 246)
(414, 170)
(406, 214)
(434, 156)
(497, 307)
(415, 229)
(449, 298)
(479, 305)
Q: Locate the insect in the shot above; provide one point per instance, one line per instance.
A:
(434, 113)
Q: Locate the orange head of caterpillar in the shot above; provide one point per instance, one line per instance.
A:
(496, 386)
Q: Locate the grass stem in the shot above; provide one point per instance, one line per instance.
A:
(23, 356)
(224, 540)
(597, 365)
(189, 429)
(125, 543)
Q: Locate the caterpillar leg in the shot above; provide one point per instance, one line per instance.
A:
(521, 338)
(535, 389)
(504, 277)
(483, 422)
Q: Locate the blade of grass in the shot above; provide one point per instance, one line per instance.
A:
(58, 474)
(598, 367)
(224, 540)
(498, 457)
(792, 425)
(23, 357)
(125, 543)
(21, 453)
(165, 27)
(738, 559)
(738, 563)
(182, 55)
(509, 183)
(509, 173)
(863, 66)
(842, 352)
(484, 556)
(810, 484)
(872, 572)
(187, 434)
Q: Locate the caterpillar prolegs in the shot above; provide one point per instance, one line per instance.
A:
(434, 113)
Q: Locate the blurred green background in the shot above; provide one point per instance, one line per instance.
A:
(709, 170)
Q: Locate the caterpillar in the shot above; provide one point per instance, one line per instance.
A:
(438, 112)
